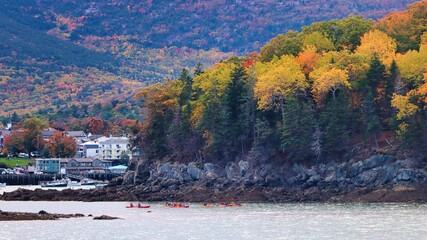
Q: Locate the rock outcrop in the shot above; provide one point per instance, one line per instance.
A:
(375, 179)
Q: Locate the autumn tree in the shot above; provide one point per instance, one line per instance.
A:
(32, 135)
(406, 27)
(277, 81)
(13, 143)
(377, 43)
(161, 100)
(328, 79)
(61, 145)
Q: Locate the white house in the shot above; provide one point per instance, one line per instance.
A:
(88, 150)
(114, 148)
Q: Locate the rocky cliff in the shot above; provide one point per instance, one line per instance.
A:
(379, 178)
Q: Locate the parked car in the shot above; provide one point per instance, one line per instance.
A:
(23, 155)
(35, 154)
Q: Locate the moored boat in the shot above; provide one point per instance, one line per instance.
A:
(87, 181)
(55, 183)
(73, 184)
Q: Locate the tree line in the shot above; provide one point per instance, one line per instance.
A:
(306, 96)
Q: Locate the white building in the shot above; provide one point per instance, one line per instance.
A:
(114, 148)
(88, 150)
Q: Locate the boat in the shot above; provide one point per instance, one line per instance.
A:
(55, 183)
(174, 205)
(2, 185)
(230, 204)
(73, 184)
(206, 205)
(87, 181)
(138, 206)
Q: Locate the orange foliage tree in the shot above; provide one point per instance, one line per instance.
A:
(60, 145)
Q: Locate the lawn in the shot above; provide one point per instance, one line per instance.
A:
(13, 162)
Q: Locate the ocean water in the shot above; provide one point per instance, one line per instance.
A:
(251, 221)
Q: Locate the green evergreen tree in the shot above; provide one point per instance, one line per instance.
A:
(297, 130)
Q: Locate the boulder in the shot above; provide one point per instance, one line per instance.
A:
(313, 180)
(244, 168)
(405, 175)
(142, 172)
(193, 171)
(132, 165)
(232, 171)
(128, 178)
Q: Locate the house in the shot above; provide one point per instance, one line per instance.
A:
(88, 150)
(47, 133)
(84, 165)
(48, 165)
(79, 136)
(114, 148)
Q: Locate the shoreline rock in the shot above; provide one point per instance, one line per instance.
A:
(42, 215)
(379, 178)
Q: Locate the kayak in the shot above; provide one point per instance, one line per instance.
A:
(208, 205)
(147, 206)
(175, 205)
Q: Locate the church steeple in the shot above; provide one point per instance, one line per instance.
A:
(9, 124)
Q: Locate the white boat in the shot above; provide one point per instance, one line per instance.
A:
(87, 181)
(73, 184)
(55, 183)
(2, 185)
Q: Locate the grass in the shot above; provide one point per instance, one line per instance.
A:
(13, 162)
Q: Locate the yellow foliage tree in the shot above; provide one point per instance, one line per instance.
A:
(277, 80)
(211, 85)
(403, 105)
(378, 42)
(412, 65)
(327, 79)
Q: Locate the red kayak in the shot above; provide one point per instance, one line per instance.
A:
(138, 206)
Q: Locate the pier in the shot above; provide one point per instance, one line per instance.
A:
(34, 179)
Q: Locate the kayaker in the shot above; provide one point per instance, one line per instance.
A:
(139, 205)
(131, 204)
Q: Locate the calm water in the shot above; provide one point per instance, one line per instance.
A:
(252, 221)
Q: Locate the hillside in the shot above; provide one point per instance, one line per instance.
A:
(230, 25)
(56, 54)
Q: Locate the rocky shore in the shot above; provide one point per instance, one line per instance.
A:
(42, 215)
(379, 178)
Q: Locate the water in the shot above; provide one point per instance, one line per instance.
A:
(252, 221)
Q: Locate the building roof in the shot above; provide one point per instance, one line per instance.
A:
(76, 134)
(114, 140)
(47, 133)
(118, 167)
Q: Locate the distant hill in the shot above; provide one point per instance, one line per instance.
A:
(58, 53)
(230, 25)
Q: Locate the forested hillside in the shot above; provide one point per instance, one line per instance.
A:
(76, 59)
(333, 89)
(230, 25)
